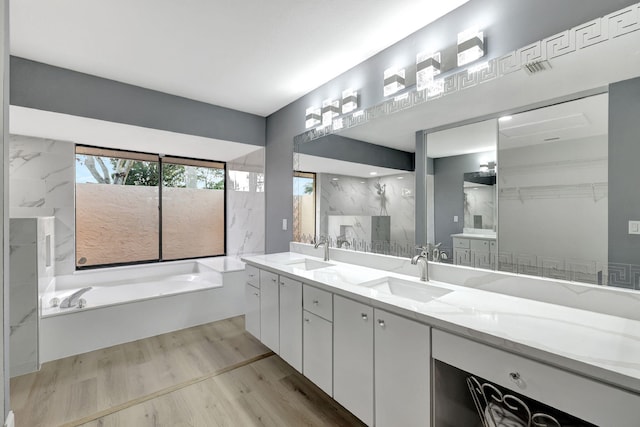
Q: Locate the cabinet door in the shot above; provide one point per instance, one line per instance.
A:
(317, 351)
(269, 311)
(402, 371)
(291, 322)
(353, 357)
(252, 310)
(462, 257)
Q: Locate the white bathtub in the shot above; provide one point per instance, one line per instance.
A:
(133, 302)
(128, 284)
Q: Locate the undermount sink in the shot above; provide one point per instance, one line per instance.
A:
(406, 289)
(309, 264)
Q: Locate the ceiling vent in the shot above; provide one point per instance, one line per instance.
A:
(536, 67)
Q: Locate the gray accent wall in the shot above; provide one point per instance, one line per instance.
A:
(508, 25)
(624, 174)
(45, 87)
(449, 194)
(353, 150)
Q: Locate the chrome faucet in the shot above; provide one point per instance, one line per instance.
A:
(323, 241)
(73, 299)
(422, 260)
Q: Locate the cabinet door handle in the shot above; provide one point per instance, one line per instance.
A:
(256, 294)
(381, 323)
(364, 316)
(273, 280)
(306, 319)
(281, 283)
(252, 275)
(515, 376)
(315, 301)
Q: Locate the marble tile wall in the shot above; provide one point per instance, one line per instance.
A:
(245, 205)
(358, 196)
(31, 273)
(41, 179)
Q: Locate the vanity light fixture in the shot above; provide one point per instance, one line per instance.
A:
(330, 109)
(312, 117)
(427, 67)
(349, 100)
(393, 81)
(470, 46)
(489, 166)
(373, 173)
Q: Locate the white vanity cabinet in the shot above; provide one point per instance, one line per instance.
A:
(317, 341)
(474, 251)
(291, 322)
(402, 371)
(353, 357)
(269, 310)
(573, 394)
(252, 301)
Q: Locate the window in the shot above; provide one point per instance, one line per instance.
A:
(304, 206)
(135, 207)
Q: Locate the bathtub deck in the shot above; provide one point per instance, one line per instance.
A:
(209, 375)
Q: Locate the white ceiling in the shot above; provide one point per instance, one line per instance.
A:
(473, 138)
(253, 55)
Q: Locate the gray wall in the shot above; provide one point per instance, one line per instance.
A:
(509, 25)
(352, 150)
(449, 194)
(624, 174)
(49, 88)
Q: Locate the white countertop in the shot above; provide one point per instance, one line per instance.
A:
(475, 236)
(599, 346)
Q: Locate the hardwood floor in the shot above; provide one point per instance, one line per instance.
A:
(209, 375)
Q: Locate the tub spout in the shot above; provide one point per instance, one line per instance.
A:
(72, 300)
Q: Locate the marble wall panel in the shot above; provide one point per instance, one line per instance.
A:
(245, 205)
(42, 179)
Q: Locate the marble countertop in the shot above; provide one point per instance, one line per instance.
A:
(599, 346)
(223, 264)
(475, 236)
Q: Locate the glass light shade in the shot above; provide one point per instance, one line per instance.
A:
(349, 100)
(393, 81)
(470, 46)
(312, 117)
(427, 67)
(330, 109)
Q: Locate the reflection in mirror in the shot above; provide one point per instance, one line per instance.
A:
(358, 206)
(461, 193)
(480, 200)
(553, 190)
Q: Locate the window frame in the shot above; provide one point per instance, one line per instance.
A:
(146, 156)
(314, 176)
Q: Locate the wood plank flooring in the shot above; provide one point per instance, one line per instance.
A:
(210, 375)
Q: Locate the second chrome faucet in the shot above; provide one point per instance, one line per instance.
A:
(422, 260)
(320, 242)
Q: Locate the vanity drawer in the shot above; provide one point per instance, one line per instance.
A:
(252, 275)
(267, 277)
(460, 243)
(576, 395)
(479, 245)
(318, 302)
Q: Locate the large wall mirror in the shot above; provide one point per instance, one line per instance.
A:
(529, 174)
(461, 175)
